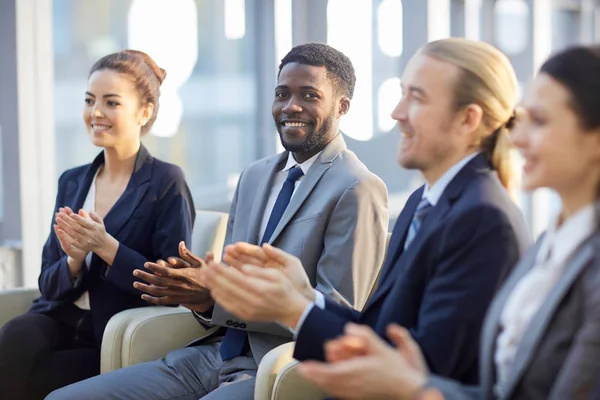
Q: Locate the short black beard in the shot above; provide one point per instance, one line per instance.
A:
(315, 142)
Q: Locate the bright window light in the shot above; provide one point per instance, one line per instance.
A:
(283, 29)
(154, 28)
(438, 19)
(235, 19)
(387, 98)
(511, 25)
(350, 30)
(389, 27)
(473, 19)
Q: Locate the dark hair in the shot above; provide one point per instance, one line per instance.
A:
(339, 67)
(143, 71)
(578, 70)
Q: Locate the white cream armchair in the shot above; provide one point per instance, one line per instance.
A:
(141, 334)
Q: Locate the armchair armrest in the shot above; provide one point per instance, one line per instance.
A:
(277, 378)
(14, 302)
(146, 334)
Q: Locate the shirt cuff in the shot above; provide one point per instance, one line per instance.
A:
(319, 299)
(319, 302)
(76, 281)
(206, 320)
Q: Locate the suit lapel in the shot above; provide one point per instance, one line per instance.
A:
(406, 258)
(540, 321)
(433, 219)
(396, 246)
(490, 328)
(263, 191)
(138, 184)
(314, 174)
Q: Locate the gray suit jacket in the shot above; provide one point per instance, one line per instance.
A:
(559, 356)
(336, 224)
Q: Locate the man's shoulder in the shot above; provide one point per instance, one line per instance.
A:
(348, 169)
(260, 165)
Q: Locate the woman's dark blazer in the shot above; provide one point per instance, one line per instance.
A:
(154, 213)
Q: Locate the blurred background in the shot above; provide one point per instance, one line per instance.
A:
(221, 58)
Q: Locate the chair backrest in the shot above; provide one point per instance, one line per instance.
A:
(209, 233)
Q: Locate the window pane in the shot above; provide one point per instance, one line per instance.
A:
(389, 27)
(207, 123)
(511, 25)
(350, 30)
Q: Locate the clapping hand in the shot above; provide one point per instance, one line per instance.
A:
(179, 280)
(267, 256)
(361, 365)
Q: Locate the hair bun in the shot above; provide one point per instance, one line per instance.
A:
(160, 73)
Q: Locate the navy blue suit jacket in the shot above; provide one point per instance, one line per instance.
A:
(441, 286)
(154, 213)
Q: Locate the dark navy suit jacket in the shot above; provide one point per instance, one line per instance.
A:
(154, 213)
(441, 286)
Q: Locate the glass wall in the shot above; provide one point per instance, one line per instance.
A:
(207, 122)
(210, 114)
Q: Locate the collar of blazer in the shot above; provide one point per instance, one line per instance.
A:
(314, 174)
(79, 186)
(576, 263)
(478, 165)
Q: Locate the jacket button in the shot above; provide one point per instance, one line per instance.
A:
(243, 326)
(229, 322)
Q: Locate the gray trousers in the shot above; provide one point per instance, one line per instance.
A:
(190, 373)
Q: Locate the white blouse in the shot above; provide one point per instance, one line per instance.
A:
(89, 204)
(557, 246)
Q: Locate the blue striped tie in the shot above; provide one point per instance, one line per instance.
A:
(417, 219)
(235, 343)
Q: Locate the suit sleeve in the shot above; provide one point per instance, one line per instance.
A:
(580, 371)
(475, 254)
(54, 281)
(319, 326)
(174, 223)
(354, 243)
(222, 317)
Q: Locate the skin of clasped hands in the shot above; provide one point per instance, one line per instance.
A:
(261, 284)
(361, 365)
(79, 234)
(255, 283)
(267, 284)
(177, 281)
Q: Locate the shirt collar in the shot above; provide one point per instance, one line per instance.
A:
(291, 162)
(561, 241)
(434, 192)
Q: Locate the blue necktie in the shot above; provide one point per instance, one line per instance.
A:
(417, 219)
(235, 343)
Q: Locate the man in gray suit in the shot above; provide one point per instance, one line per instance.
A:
(316, 201)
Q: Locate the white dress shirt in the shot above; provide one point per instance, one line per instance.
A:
(434, 192)
(433, 195)
(526, 298)
(89, 204)
(278, 181)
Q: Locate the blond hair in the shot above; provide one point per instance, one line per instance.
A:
(488, 80)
